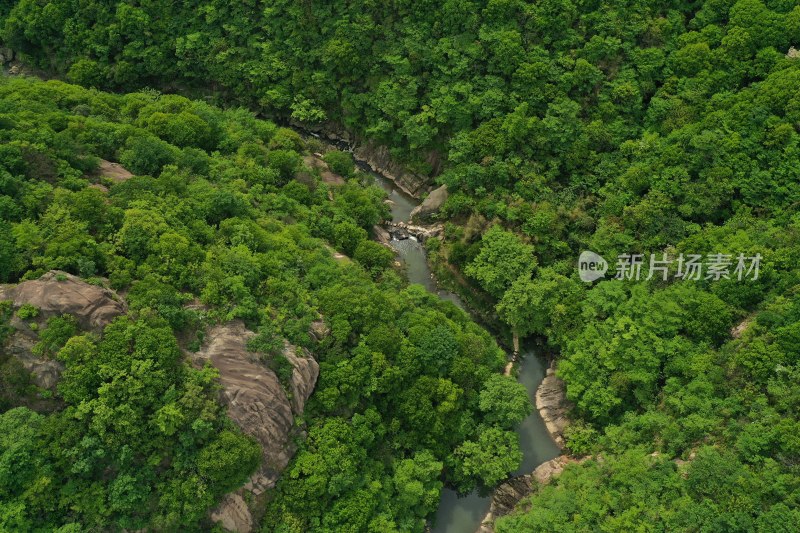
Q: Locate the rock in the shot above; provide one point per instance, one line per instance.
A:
(315, 162)
(380, 160)
(45, 372)
(381, 235)
(304, 375)
(741, 327)
(114, 171)
(399, 233)
(402, 231)
(255, 397)
(54, 294)
(431, 204)
(232, 514)
(793, 53)
(547, 470)
(319, 330)
(553, 406)
(507, 495)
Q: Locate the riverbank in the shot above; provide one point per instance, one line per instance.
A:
(552, 406)
(465, 514)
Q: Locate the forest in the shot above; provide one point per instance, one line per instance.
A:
(625, 127)
(220, 209)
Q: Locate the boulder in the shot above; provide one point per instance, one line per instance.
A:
(114, 171)
(403, 230)
(553, 406)
(256, 400)
(381, 235)
(430, 205)
(399, 233)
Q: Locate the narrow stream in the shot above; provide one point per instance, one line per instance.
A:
(464, 514)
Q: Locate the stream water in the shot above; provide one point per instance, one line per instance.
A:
(464, 514)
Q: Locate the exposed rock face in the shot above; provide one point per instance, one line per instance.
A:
(552, 403)
(56, 293)
(380, 160)
(6, 55)
(430, 205)
(506, 497)
(304, 375)
(256, 400)
(45, 372)
(315, 162)
(94, 307)
(381, 235)
(793, 53)
(319, 330)
(741, 327)
(115, 171)
(232, 513)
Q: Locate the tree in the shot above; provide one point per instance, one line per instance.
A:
(533, 305)
(417, 485)
(502, 259)
(374, 257)
(504, 401)
(340, 163)
(489, 459)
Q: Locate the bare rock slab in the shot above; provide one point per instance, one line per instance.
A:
(54, 294)
(553, 406)
(431, 204)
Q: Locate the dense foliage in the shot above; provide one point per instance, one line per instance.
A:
(222, 209)
(625, 127)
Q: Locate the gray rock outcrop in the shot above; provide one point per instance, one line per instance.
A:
(553, 406)
(6, 55)
(315, 162)
(431, 204)
(381, 235)
(54, 294)
(319, 330)
(305, 372)
(506, 496)
(256, 399)
(380, 160)
(259, 404)
(233, 514)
